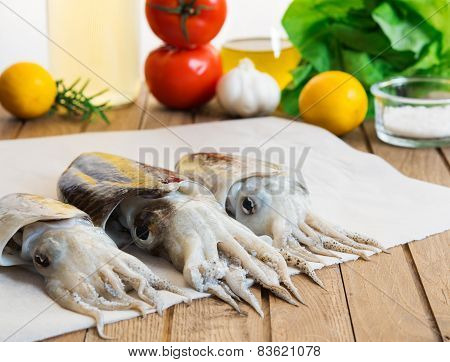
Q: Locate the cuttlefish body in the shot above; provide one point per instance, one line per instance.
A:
(161, 211)
(266, 199)
(83, 268)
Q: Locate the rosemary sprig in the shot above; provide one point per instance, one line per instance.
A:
(77, 104)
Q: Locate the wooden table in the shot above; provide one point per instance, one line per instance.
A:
(404, 296)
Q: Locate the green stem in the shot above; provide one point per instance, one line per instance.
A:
(185, 9)
(176, 10)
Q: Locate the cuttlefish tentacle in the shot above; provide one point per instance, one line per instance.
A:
(274, 259)
(349, 238)
(283, 237)
(301, 265)
(313, 240)
(233, 248)
(265, 252)
(295, 248)
(327, 229)
(74, 302)
(154, 280)
(239, 284)
(295, 255)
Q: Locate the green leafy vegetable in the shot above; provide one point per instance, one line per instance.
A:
(402, 32)
(371, 39)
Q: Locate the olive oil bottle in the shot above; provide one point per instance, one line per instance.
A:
(96, 40)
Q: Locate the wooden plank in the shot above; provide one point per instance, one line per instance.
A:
(384, 295)
(386, 300)
(9, 125)
(149, 329)
(446, 154)
(325, 318)
(127, 117)
(50, 126)
(211, 320)
(430, 257)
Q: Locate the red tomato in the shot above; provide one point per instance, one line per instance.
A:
(182, 78)
(186, 23)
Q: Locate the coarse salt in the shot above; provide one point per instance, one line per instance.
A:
(418, 122)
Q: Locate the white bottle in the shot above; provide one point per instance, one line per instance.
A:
(96, 40)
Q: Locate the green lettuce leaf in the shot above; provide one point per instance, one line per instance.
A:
(436, 13)
(430, 59)
(406, 31)
(372, 39)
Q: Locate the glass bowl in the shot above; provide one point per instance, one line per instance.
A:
(413, 112)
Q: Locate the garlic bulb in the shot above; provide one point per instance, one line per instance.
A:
(247, 92)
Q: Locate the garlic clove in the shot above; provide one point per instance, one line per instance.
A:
(228, 90)
(247, 92)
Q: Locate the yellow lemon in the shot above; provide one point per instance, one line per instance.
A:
(27, 90)
(335, 101)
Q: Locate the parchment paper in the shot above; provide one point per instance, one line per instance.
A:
(356, 190)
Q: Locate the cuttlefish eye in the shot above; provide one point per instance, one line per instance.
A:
(41, 260)
(248, 206)
(142, 232)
